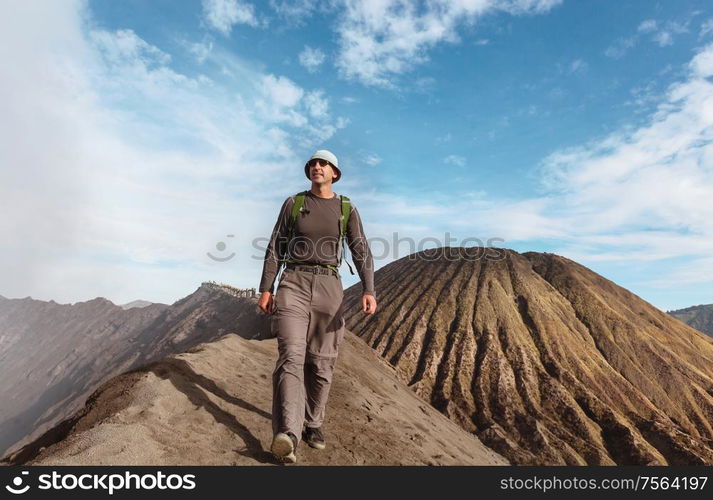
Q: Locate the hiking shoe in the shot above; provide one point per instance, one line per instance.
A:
(283, 447)
(313, 436)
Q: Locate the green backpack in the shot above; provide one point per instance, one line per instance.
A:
(298, 208)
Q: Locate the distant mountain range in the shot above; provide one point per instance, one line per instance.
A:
(52, 356)
(136, 303)
(699, 317)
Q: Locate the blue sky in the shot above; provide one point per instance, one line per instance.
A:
(137, 136)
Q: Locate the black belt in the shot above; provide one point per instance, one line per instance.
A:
(316, 269)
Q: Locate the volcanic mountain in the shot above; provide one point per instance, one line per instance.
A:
(546, 361)
(698, 317)
(52, 356)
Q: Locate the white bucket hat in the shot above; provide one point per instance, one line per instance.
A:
(323, 154)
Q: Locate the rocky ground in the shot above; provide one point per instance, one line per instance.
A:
(211, 406)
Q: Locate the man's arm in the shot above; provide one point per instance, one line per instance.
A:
(361, 254)
(276, 248)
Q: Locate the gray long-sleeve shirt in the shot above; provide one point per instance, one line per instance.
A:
(316, 239)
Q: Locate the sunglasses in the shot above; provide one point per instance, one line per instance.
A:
(313, 162)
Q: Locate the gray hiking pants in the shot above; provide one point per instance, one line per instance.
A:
(309, 323)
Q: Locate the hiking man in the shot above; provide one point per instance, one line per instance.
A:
(308, 238)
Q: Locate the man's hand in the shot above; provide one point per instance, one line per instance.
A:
(265, 302)
(368, 304)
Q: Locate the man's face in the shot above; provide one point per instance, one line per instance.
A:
(321, 171)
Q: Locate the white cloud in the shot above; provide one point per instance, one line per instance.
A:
(706, 27)
(697, 271)
(578, 65)
(293, 8)
(663, 38)
(282, 101)
(311, 58)
(316, 104)
(647, 26)
(125, 48)
(298, 12)
(222, 15)
(659, 177)
(372, 159)
(458, 161)
(573, 67)
(380, 40)
(620, 47)
(200, 50)
(130, 170)
(442, 139)
(281, 90)
(702, 64)
(423, 84)
(661, 33)
(644, 95)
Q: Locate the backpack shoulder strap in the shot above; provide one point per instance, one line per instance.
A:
(296, 209)
(346, 211)
(343, 222)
